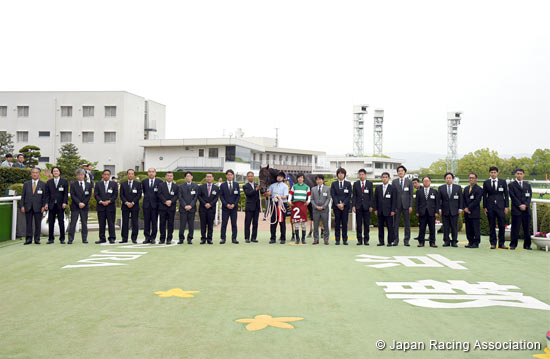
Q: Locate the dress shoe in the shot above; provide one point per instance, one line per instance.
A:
(503, 247)
(112, 242)
(180, 241)
(62, 242)
(100, 241)
(254, 240)
(315, 242)
(326, 243)
(134, 241)
(366, 243)
(222, 241)
(152, 241)
(203, 242)
(446, 245)
(49, 242)
(512, 248)
(190, 241)
(27, 242)
(283, 242)
(168, 242)
(123, 241)
(454, 245)
(359, 243)
(247, 241)
(272, 241)
(146, 241)
(389, 245)
(85, 241)
(235, 242)
(468, 246)
(433, 245)
(493, 246)
(36, 242)
(209, 242)
(379, 244)
(528, 249)
(345, 243)
(337, 243)
(70, 242)
(161, 242)
(406, 243)
(420, 245)
(304, 241)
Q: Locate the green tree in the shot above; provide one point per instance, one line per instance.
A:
(6, 143)
(69, 160)
(479, 162)
(438, 167)
(540, 162)
(509, 165)
(31, 154)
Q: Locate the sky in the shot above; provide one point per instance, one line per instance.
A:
(300, 66)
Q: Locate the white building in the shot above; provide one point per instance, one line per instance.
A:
(106, 126)
(242, 154)
(374, 166)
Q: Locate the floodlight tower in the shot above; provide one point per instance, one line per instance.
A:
(359, 113)
(453, 120)
(378, 131)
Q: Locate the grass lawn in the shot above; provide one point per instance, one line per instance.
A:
(113, 311)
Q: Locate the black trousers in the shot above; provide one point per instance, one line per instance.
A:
(167, 222)
(473, 230)
(187, 220)
(341, 223)
(523, 220)
(251, 217)
(388, 221)
(36, 217)
(130, 216)
(226, 215)
(207, 216)
(429, 221)
(106, 217)
(53, 212)
(282, 225)
(362, 222)
(83, 214)
(450, 227)
(495, 215)
(151, 218)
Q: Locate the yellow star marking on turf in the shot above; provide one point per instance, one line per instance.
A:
(177, 292)
(543, 356)
(262, 321)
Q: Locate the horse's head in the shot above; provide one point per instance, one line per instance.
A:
(266, 178)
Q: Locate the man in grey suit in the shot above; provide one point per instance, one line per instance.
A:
(188, 193)
(404, 188)
(33, 204)
(320, 199)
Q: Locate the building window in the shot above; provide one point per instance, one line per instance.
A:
(87, 137)
(66, 111)
(3, 111)
(378, 165)
(22, 111)
(66, 136)
(22, 136)
(261, 157)
(267, 157)
(213, 152)
(280, 158)
(110, 137)
(88, 111)
(43, 133)
(201, 152)
(110, 168)
(43, 159)
(110, 111)
(230, 153)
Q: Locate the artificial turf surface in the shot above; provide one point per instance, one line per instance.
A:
(113, 311)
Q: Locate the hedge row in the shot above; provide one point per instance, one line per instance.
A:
(10, 175)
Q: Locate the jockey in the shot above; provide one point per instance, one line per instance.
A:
(300, 196)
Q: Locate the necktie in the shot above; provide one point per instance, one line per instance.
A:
(426, 191)
(384, 192)
(341, 185)
(230, 187)
(495, 184)
(150, 183)
(319, 190)
(449, 191)
(82, 185)
(471, 189)
(362, 186)
(209, 188)
(521, 184)
(106, 186)
(130, 184)
(401, 183)
(169, 186)
(33, 186)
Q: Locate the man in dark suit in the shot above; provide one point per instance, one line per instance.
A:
(229, 196)
(168, 196)
(81, 192)
(362, 205)
(520, 193)
(252, 208)
(130, 195)
(404, 187)
(188, 193)
(150, 187)
(33, 204)
(471, 197)
(427, 202)
(495, 203)
(57, 194)
(208, 196)
(385, 202)
(106, 193)
(341, 191)
(450, 207)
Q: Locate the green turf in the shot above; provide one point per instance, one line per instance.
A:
(113, 312)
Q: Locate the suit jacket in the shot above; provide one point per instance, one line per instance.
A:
(79, 195)
(150, 194)
(341, 195)
(204, 198)
(450, 206)
(385, 204)
(252, 197)
(520, 196)
(321, 200)
(405, 195)
(165, 195)
(59, 194)
(130, 195)
(188, 194)
(472, 201)
(363, 199)
(430, 205)
(101, 195)
(228, 197)
(33, 201)
(495, 199)
(19, 165)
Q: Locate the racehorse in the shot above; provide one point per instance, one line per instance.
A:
(268, 176)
